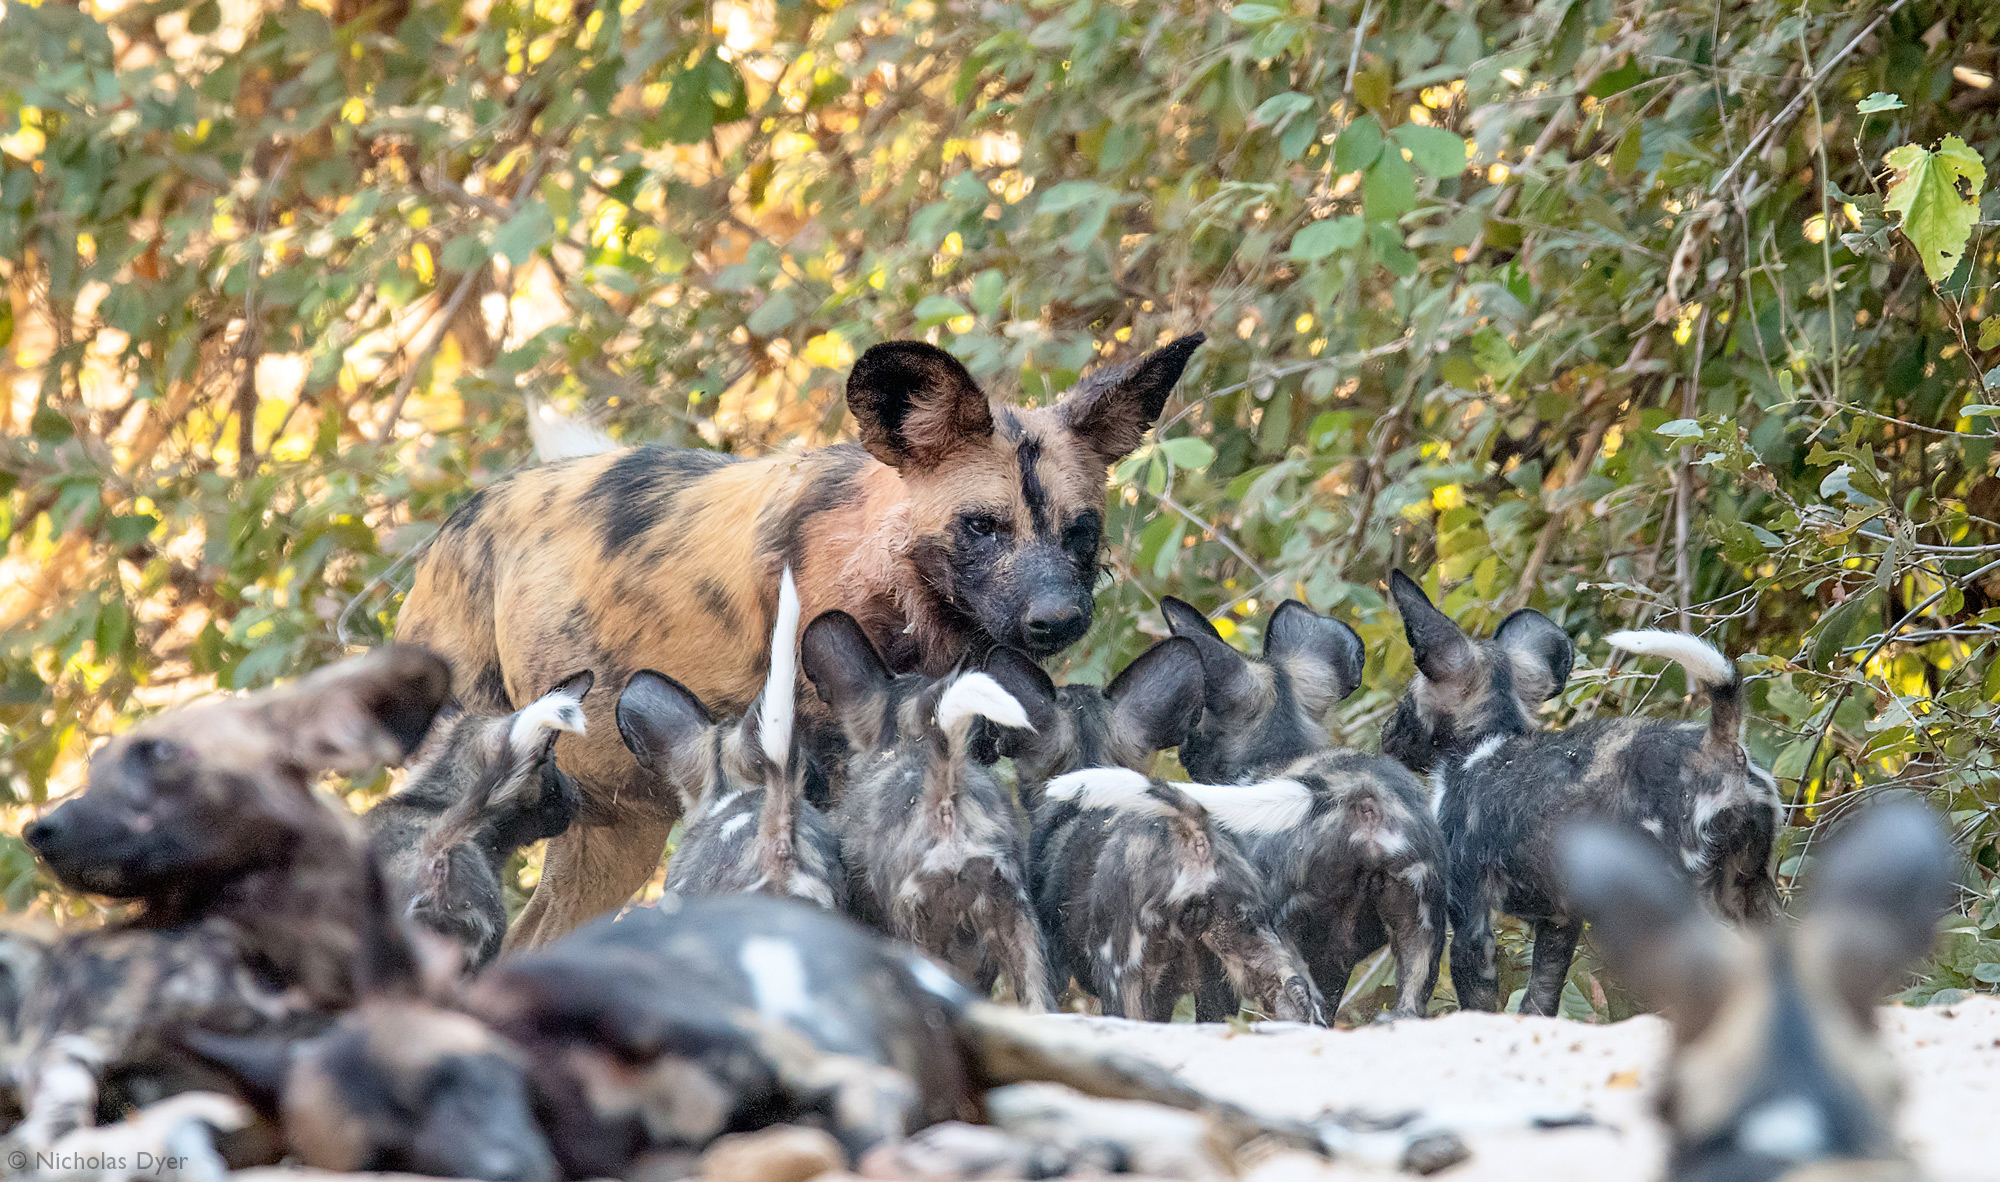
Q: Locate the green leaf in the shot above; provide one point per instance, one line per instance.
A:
(1069, 195)
(1936, 216)
(1433, 149)
(937, 309)
(1878, 102)
(1360, 142)
(7, 322)
(1989, 330)
(1322, 238)
(1389, 190)
(204, 18)
(1297, 138)
(463, 253)
(988, 289)
(1680, 429)
(1986, 973)
(1831, 635)
(1971, 409)
(1188, 452)
(772, 316)
(1254, 14)
(1279, 107)
(524, 234)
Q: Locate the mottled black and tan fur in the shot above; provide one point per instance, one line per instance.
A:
(1363, 865)
(932, 842)
(749, 825)
(1138, 887)
(1777, 1070)
(1501, 788)
(956, 523)
(479, 789)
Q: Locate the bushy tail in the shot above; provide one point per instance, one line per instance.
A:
(1707, 667)
(558, 437)
(1249, 810)
(527, 740)
(969, 698)
(777, 711)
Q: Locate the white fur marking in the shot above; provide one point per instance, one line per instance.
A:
(1652, 825)
(777, 977)
(734, 824)
(1483, 752)
(1253, 809)
(780, 697)
(558, 437)
(1692, 653)
(1789, 1129)
(1108, 788)
(558, 711)
(1437, 791)
(976, 695)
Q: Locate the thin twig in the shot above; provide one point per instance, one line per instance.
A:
(1684, 486)
(1354, 55)
(247, 344)
(1825, 218)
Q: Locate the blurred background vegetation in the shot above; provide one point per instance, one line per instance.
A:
(1664, 313)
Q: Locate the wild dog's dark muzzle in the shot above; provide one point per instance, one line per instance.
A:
(1057, 603)
(84, 848)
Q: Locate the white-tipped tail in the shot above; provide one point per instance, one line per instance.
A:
(558, 437)
(780, 698)
(558, 711)
(976, 695)
(1253, 809)
(1700, 658)
(1117, 788)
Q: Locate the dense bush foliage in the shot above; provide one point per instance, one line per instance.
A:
(1668, 313)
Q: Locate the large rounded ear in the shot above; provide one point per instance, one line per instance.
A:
(255, 1067)
(361, 712)
(849, 675)
(1111, 410)
(1322, 655)
(1156, 701)
(1876, 897)
(1646, 921)
(1229, 687)
(1031, 686)
(662, 723)
(915, 405)
(1441, 650)
(1541, 652)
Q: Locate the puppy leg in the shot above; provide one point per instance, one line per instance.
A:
(1475, 976)
(1415, 940)
(1214, 1000)
(588, 871)
(1555, 944)
(1266, 972)
(1017, 940)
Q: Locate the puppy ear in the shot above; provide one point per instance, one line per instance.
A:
(849, 675)
(1156, 701)
(1876, 897)
(1322, 655)
(1229, 688)
(663, 723)
(362, 712)
(1442, 651)
(1111, 410)
(1645, 920)
(915, 405)
(1030, 685)
(255, 1067)
(1541, 651)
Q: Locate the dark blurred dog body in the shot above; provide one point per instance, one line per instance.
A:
(1502, 789)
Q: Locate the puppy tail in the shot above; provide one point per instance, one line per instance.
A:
(558, 437)
(1248, 810)
(534, 728)
(971, 697)
(1008, 1046)
(1707, 667)
(778, 705)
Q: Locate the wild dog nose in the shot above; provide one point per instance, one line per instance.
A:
(39, 833)
(1054, 625)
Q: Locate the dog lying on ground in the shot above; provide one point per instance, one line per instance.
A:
(639, 1041)
(1776, 1071)
(479, 790)
(253, 891)
(1139, 883)
(1352, 856)
(749, 826)
(1502, 789)
(930, 838)
(955, 524)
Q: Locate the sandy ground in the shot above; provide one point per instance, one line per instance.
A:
(1486, 1075)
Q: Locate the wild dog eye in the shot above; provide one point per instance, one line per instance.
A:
(153, 753)
(982, 525)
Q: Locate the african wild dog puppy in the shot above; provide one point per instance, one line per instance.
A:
(479, 790)
(955, 524)
(1501, 789)
(254, 890)
(743, 785)
(643, 1039)
(930, 838)
(1363, 864)
(1140, 883)
(1776, 1070)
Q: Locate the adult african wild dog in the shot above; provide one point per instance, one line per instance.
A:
(480, 788)
(956, 523)
(1776, 1070)
(1362, 864)
(256, 893)
(1139, 884)
(1502, 789)
(749, 826)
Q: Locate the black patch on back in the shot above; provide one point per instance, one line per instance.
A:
(490, 689)
(463, 517)
(832, 486)
(1032, 493)
(714, 599)
(638, 489)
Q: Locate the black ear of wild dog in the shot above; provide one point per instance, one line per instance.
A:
(1157, 699)
(915, 404)
(1645, 920)
(662, 722)
(1228, 683)
(1323, 656)
(1542, 653)
(849, 675)
(364, 711)
(1441, 649)
(1112, 408)
(1877, 895)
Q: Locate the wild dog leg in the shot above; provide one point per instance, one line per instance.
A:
(587, 872)
(1214, 1000)
(1412, 918)
(1555, 945)
(1018, 942)
(1265, 972)
(1475, 976)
